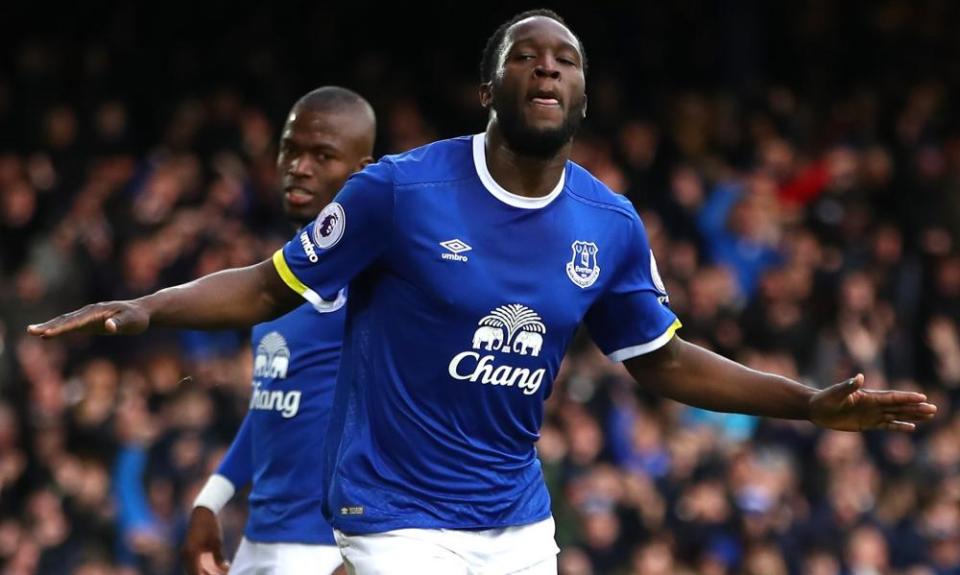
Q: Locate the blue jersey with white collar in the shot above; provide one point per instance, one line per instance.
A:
(463, 298)
(280, 444)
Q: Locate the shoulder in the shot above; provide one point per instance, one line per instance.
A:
(440, 161)
(583, 187)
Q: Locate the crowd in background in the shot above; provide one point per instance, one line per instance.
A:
(805, 225)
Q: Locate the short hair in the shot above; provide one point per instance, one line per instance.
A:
(491, 51)
(333, 98)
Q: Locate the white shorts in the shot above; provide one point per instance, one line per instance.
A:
(284, 559)
(526, 549)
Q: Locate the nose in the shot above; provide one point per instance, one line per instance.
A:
(299, 166)
(547, 68)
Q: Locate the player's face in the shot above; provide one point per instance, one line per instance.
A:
(538, 92)
(316, 157)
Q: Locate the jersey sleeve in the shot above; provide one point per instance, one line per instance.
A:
(237, 464)
(633, 316)
(347, 236)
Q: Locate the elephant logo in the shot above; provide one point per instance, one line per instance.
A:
(489, 335)
(272, 358)
(583, 269)
(528, 341)
(511, 328)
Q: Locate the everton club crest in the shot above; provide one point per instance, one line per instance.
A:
(582, 269)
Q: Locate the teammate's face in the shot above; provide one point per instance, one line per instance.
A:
(538, 92)
(318, 152)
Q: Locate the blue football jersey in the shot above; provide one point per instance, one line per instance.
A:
(295, 365)
(463, 298)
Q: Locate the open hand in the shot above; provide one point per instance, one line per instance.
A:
(115, 317)
(847, 406)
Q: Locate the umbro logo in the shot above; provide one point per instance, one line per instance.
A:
(455, 248)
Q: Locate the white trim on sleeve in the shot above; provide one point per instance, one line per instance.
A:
(324, 306)
(294, 283)
(652, 345)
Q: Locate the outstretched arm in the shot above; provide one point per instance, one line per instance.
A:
(231, 298)
(693, 375)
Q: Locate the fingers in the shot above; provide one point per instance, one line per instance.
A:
(846, 388)
(890, 398)
(910, 416)
(101, 318)
(914, 410)
(890, 422)
(898, 425)
(73, 321)
(222, 563)
(902, 419)
(210, 566)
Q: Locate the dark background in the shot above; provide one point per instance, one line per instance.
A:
(796, 165)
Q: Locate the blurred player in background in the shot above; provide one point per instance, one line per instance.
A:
(471, 263)
(328, 135)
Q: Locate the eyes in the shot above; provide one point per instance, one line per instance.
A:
(562, 59)
(291, 151)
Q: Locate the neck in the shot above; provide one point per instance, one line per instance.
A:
(527, 176)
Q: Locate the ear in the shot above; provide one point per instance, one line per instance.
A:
(583, 113)
(486, 94)
(364, 163)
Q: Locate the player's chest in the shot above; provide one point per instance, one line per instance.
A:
(301, 341)
(547, 263)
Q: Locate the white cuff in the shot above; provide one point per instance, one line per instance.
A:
(652, 345)
(215, 493)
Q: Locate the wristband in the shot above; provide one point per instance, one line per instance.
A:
(215, 494)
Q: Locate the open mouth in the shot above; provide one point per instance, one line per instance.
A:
(545, 98)
(548, 102)
(297, 196)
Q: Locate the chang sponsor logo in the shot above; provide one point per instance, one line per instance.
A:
(285, 402)
(272, 361)
(509, 329)
(470, 366)
(272, 358)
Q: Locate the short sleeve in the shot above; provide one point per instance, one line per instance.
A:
(347, 236)
(633, 316)
(237, 464)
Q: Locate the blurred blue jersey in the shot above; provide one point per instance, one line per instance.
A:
(463, 298)
(280, 444)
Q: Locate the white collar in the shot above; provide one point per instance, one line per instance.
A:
(509, 198)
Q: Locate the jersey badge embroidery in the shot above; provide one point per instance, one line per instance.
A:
(582, 269)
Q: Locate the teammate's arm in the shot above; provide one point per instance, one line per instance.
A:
(693, 375)
(227, 299)
(204, 535)
(237, 464)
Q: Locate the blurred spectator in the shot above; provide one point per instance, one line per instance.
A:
(800, 188)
